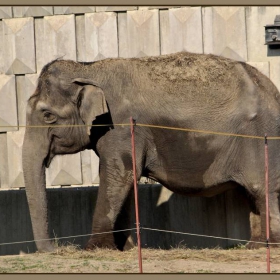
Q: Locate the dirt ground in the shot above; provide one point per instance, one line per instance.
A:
(70, 259)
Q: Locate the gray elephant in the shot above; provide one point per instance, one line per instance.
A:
(182, 90)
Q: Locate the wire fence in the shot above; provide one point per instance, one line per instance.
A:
(142, 228)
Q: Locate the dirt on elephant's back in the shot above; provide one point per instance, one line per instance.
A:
(70, 259)
(191, 67)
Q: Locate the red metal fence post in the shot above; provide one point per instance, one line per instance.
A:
(267, 204)
(132, 124)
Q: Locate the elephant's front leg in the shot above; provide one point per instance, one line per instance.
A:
(112, 211)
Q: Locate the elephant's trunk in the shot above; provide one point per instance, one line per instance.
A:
(34, 154)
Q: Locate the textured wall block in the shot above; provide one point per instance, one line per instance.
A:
(164, 196)
(263, 67)
(80, 35)
(224, 32)
(26, 86)
(86, 167)
(123, 35)
(275, 73)
(32, 11)
(97, 36)
(5, 12)
(115, 8)
(18, 46)
(55, 37)
(14, 145)
(139, 34)
(62, 10)
(256, 19)
(90, 167)
(181, 30)
(4, 169)
(8, 103)
(156, 7)
(94, 168)
(1, 49)
(64, 170)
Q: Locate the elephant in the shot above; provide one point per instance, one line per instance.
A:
(87, 105)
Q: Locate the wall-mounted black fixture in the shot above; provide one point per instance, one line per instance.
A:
(272, 32)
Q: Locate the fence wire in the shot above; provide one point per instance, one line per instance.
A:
(150, 126)
(143, 228)
(65, 237)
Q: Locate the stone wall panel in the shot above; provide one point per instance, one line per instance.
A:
(4, 168)
(1, 49)
(14, 147)
(65, 171)
(80, 35)
(32, 11)
(224, 32)
(94, 168)
(123, 35)
(86, 167)
(6, 12)
(8, 104)
(275, 73)
(139, 31)
(157, 7)
(90, 168)
(26, 86)
(115, 8)
(18, 46)
(55, 38)
(98, 37)
(66, 10)
(181, 30)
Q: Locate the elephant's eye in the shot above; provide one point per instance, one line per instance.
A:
(49, 117)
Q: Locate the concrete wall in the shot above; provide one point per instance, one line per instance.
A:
(226, 215)
(32, 36)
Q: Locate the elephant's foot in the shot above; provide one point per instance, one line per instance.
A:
(122, 243)
(99, 241)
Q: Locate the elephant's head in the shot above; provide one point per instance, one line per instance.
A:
(59, 115)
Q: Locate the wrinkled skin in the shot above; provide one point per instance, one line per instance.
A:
(183, 90)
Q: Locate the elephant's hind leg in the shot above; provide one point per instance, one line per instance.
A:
(258, 222)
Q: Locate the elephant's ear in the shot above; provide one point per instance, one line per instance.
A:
(91, 101)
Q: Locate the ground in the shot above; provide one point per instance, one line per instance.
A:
(70, 259)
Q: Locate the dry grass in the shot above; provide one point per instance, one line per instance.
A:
(238, 253)
(71, 259)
